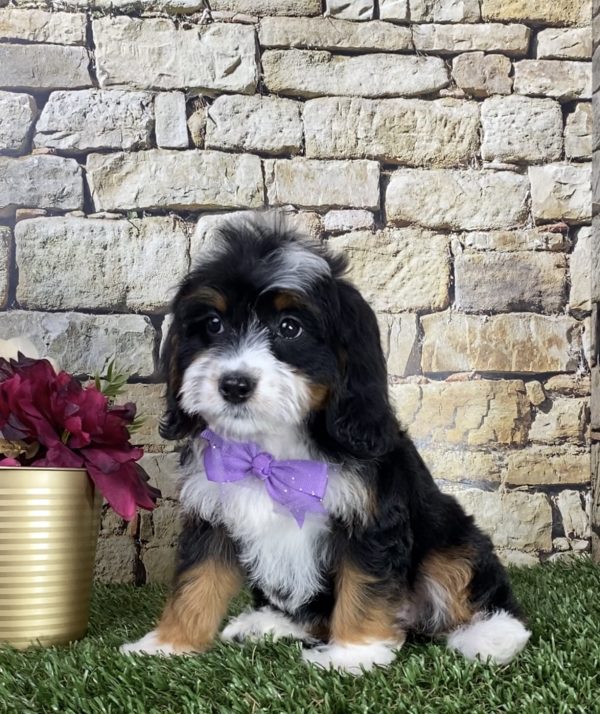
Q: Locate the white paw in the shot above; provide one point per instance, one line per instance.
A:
(150, 645)
(255, 624)
(498, 637)
(351, 658)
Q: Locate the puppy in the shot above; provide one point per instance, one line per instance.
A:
(298, 480)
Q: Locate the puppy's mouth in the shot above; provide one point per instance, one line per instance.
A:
(238, 411)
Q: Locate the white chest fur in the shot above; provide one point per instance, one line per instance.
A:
(280, 557)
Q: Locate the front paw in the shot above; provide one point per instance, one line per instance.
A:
(351, 658)
(151, 644)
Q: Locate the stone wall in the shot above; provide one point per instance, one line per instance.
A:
(444, 145)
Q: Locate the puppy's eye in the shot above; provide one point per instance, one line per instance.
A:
(289, 328)
(213, 325)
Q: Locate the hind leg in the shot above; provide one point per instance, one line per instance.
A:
(448, 586)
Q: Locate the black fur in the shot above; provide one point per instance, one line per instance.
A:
(410, 517)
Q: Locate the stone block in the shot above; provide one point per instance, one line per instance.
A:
(264, 124)
(318, 33)
(561, 544)
(578, 132)
(121, 265)
(157, 54)
(464, 413)
(166, 523)
(462, 464)
(5, 262)
(562, 79)
(300, 73)
(398, 269)
(514, 520)
(480, 75)
(93, 119)
(563, 419)
(159, 564)
(163, 472)
(521, 129)
(116, 560)
(525, 343)
(514, 241)
(561, 192)
(400, 342)
(538, 12)
(40, 182)
(517, 558)
(268, 7)
(570, 385)
(547, 466)
(171, 122)
(394, 10)
(340, 221)
(581, 266)
(185, 180)
(413, 132)
(32, 25)
(510, 282)
(82, 343)
(43, 67)
(564, 43)
(439, 198)
(444, 11)
(349, 9)
(535, 392)
(511, 40)
(111, 523)
(575, 515)
(306, 183)
(18, 112)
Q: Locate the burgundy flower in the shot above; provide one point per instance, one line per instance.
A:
(75, 427)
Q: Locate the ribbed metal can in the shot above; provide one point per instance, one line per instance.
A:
(49, 521)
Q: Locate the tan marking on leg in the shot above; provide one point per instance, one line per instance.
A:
(360, 616)
(451, 571)
(192, 616)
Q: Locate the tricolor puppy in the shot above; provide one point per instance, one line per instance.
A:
(297, 479)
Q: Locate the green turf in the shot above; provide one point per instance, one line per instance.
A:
(559, 671)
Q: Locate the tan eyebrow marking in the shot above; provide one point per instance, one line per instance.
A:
(210, 296)
(285, 300)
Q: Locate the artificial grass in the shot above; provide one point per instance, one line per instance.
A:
(558, 673)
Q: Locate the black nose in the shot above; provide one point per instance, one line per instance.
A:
(236, 387)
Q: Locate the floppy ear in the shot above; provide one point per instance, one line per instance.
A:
(359, 416)
(175, 423)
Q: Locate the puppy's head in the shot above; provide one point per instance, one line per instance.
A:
(266, 336)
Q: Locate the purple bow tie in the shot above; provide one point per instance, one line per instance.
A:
(299, 486)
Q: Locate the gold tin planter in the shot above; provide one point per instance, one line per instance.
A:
(49, 520)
